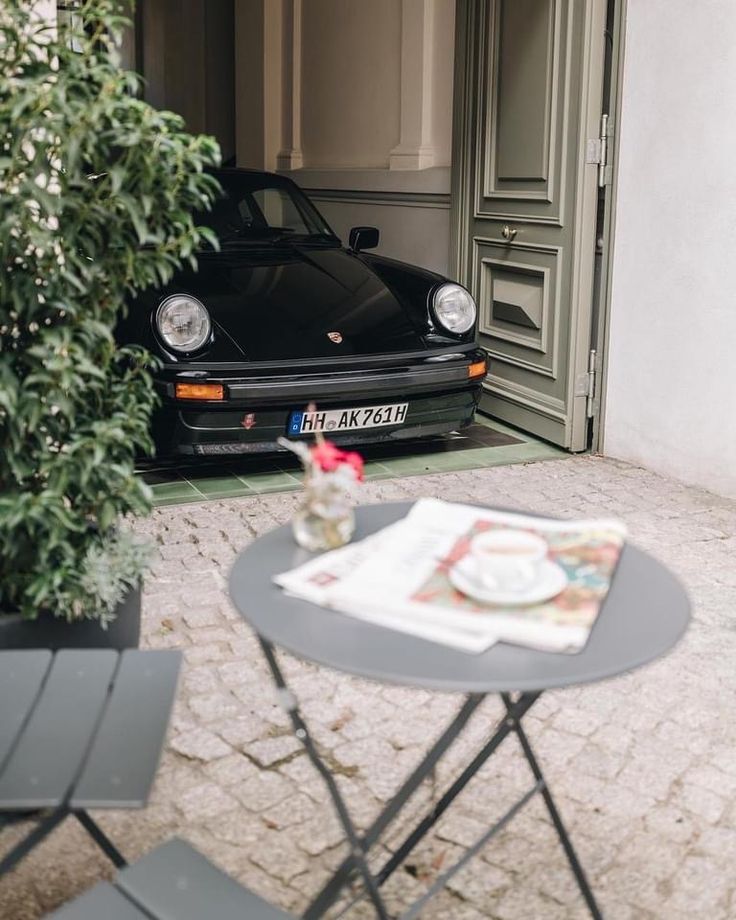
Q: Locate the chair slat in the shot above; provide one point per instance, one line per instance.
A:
(177, 883)
(122, 763)
(103, 902)
(52, 747)
(21, 674)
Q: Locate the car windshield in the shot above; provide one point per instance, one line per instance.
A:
(257, 208)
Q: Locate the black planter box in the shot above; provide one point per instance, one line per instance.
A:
(48, 631)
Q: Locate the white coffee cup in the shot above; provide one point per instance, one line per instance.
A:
(507, 560)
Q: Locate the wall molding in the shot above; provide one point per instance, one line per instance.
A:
(435, 181)
(291, 156)
(400, 199)
(415, 149)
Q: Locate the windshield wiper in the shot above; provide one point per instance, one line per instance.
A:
(296, 238)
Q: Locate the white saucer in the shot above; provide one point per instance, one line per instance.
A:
(552, 579)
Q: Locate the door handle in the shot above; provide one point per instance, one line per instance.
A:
(508, 233)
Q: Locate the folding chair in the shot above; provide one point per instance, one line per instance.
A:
(80, 729)
(173, 882)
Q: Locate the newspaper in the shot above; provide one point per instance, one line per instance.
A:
(400, 577)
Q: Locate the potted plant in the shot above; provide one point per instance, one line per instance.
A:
(97, 189)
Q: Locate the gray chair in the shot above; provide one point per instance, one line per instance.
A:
(80, 729)
(173, 882)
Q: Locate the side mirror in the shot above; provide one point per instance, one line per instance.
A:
(363, 238)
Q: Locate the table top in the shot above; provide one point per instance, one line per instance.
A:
(644, 615)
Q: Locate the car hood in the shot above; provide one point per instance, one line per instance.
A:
(295, 302)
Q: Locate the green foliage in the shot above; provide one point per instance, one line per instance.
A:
(109, 569)
(96, 192)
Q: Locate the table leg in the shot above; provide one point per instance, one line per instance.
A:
(357, 846)
(421, 772)
(575, 865)
(525, 703)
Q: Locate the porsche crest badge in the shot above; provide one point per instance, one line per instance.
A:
(335, 337)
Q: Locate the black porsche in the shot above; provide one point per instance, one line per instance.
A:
(284, 317)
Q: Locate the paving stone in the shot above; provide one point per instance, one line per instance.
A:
(263, 790)
(695, 889)
(211, 707)
(318, 834)
(202, 616)
(205, 801)
(642, 767)
(720, 843)
(243, 729)
(232, 770)
(273, 751)
(297, 809)
(199, 744)
(701, 802)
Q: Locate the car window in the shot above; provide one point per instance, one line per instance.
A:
(253, 208)
(280, 210)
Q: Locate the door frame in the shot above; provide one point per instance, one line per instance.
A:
(461, 184)
(617, 24)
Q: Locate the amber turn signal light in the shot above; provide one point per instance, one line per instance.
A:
(200, 391)
(477, 370)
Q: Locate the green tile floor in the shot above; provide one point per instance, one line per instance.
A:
(486, 443)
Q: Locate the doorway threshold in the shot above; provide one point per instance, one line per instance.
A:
(485, 443)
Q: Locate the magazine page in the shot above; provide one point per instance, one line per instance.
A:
(313, 580)
(316, 579)
(407, 576)
(412, 576)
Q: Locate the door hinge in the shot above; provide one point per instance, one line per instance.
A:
(585, 384)
(597, 151)
(592, 380)
(604, 168)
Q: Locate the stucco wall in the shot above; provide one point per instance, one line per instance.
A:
(672, 374)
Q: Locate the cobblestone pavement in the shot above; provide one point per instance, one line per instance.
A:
(643, 766)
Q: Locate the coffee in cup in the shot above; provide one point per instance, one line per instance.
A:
(507, 560)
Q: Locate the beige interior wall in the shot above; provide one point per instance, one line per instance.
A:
(353, 100)
(351, 83)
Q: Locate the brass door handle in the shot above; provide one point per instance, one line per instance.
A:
(508, 233)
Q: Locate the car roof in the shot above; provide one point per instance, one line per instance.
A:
(247, 171)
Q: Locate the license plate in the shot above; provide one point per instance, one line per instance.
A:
(332, 420)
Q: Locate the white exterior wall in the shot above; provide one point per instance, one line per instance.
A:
(672, 372)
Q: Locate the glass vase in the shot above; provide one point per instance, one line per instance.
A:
(324, 521)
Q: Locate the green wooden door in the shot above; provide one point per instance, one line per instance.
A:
(527, 113)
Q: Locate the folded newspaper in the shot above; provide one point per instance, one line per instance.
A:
(401, 577)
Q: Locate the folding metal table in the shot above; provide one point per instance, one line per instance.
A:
(644, 615)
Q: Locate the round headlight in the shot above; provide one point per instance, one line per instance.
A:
(183, 322)
(454, 308)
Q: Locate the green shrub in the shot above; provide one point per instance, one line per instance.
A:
(96, 193)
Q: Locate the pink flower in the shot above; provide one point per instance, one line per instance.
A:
(328, 457)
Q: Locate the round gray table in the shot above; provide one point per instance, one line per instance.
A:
(644, 615)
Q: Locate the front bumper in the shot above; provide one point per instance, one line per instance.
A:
(256, 410)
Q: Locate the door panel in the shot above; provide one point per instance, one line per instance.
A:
(521, 52)
(529, 82)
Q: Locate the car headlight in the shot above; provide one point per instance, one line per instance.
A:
(454, 308)
(183, 322)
